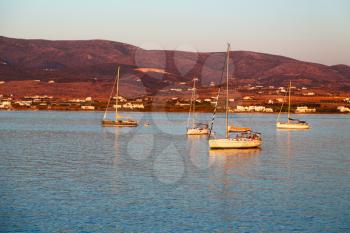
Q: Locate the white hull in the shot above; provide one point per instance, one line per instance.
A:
(286, 125)
(196, 131)
(232, 143)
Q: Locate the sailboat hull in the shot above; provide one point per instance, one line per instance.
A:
(197, 131)
(286, 125)
(120, 123)
(232, 143)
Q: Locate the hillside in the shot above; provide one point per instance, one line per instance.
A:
(95, 61)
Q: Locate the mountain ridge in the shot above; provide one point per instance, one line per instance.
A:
(96, 60)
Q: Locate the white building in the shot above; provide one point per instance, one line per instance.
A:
(76, 100)
(309, 94)
(343, 109)
(346, 100)
(38, 97)
(280, 100)
(176, 89)
(120, 98)
(24, 103)
(181, 104)
(5, 104)
(50, 82)
(253, 109)
(305, 109)
(88, 107)
(130, 105)
(119, 106)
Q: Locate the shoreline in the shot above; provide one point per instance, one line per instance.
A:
(201, 112)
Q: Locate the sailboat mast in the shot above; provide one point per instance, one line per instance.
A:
(194, 100)
(117, 95)
(227, 73)
(290, 85)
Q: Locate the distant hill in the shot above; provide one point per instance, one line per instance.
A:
(96, 61)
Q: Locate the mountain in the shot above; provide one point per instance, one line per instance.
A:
(96, 61)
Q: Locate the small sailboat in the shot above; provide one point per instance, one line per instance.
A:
(244, 138)
(196, 128)
(291, 123)
(118, 121)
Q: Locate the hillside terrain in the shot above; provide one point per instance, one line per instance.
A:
(81, 67)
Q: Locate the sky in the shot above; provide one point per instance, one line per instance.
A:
(309, 30)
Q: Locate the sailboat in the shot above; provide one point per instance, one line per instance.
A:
(291, 122)
(196, 128)
(118, 121)
(244, 137)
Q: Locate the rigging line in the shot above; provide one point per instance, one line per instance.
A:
(284, 97)
(217, 97)
(109, 100)
(194, 103)
(189, 113)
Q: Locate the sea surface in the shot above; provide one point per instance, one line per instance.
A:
(64, 172)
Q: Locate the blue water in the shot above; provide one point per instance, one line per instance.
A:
(63, 172)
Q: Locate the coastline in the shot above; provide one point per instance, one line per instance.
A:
(159, 111)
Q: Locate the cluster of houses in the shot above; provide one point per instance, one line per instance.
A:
(305, 109)
(346, 100)
(123, 103)
(259, 89)
(253, 109)
(5, 102)
(49, 102)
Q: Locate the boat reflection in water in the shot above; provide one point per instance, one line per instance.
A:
(197, 149)
(235, 152)
(234, 158)
(234, 170)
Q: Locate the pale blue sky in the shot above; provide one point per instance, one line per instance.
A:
(310, 30)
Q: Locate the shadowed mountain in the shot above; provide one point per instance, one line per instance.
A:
(96, 60)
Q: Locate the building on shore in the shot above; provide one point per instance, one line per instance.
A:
(253, 109)
(5, 104)
(87, 107)
(133, 105)
(26, 103)
(343, 109)
(130, 105)
(347, 100)
(305, 109)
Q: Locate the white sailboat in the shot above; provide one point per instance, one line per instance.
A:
(196, 128)
(291, 123)
(118, 121)
(244, 137)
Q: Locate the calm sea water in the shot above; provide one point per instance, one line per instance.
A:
(63, 172)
